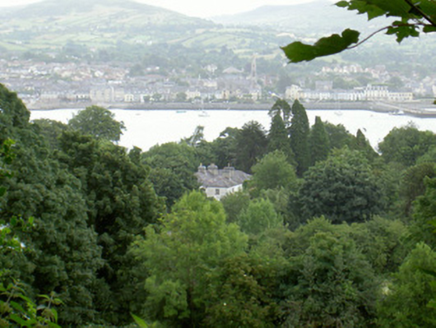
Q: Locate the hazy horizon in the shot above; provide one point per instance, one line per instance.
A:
(194, 8)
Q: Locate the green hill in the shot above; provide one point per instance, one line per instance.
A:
(94, 23)
(319, 17)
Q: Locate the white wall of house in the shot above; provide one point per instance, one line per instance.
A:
(219, 193)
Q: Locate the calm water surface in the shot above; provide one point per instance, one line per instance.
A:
(146, 128)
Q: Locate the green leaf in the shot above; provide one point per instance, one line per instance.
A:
(402, 31)
(342, 4)
(140, 322)
(362, 7)
(298, 52)
(18, 320)
(17, 307)
(429, 29)
(53, 325)
(55, 314)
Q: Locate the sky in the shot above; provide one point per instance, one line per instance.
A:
(198, 8)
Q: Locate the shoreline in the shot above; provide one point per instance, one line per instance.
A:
(415, 109)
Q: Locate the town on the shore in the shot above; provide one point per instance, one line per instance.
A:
(44, 85)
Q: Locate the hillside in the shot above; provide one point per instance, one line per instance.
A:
(85, 26)
(96, 23)
(310, 19)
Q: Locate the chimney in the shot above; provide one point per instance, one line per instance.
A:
(228, 172)
(202, 169)
(213, 169)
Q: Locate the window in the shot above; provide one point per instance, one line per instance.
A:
(217, 191)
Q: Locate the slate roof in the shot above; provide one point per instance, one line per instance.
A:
(228, 177)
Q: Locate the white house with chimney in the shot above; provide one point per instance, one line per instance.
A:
(218, 183)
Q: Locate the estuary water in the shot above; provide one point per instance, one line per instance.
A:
(146, 128)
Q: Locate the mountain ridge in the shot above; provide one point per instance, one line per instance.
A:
(318, 17)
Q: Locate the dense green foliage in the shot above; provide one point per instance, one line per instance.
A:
(343, 188)
(181, 254)
(98, 122)
(348, 243)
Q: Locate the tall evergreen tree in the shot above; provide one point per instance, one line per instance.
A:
(251, 143)
(362, 144)
(299, 132)
(281, 107)
(278, 138)
(319, 143)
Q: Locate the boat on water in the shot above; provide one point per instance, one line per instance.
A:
(397, 112)
(203, 113)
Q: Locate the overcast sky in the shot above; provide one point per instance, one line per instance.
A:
(200, 8)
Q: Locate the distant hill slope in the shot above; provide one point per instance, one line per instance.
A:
(309, 19)
(93, 22)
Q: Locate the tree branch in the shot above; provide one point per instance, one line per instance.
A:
(380, 30)
(369, 37)
(423, 14)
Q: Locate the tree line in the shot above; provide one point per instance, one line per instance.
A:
(326, 233)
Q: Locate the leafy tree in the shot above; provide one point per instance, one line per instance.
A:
(405, 145)
(330, 285)
(98, 122)
(319, 143)
(13, 112)
(172, 168)
(181, 254)
(196, 137)
(405, 300)
(411, 18)
(251, 143)
(343, 188)
(338, 135)
(234, 203)
(258, 217)
(120, 203)
(383, 242)
(412, 184)
(181, 97)
(428, 157)
(64, 256)
(422, 226)
(225, 147)
(299, 132)
(244, 294)
(273, 171)
(51, 130)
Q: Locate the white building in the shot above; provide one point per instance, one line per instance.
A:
(218, 183)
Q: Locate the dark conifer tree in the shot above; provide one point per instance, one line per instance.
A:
(278, 138)
(319, 143)
(281, 107)
(362, 144)
(299, 132)
(251, 144)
